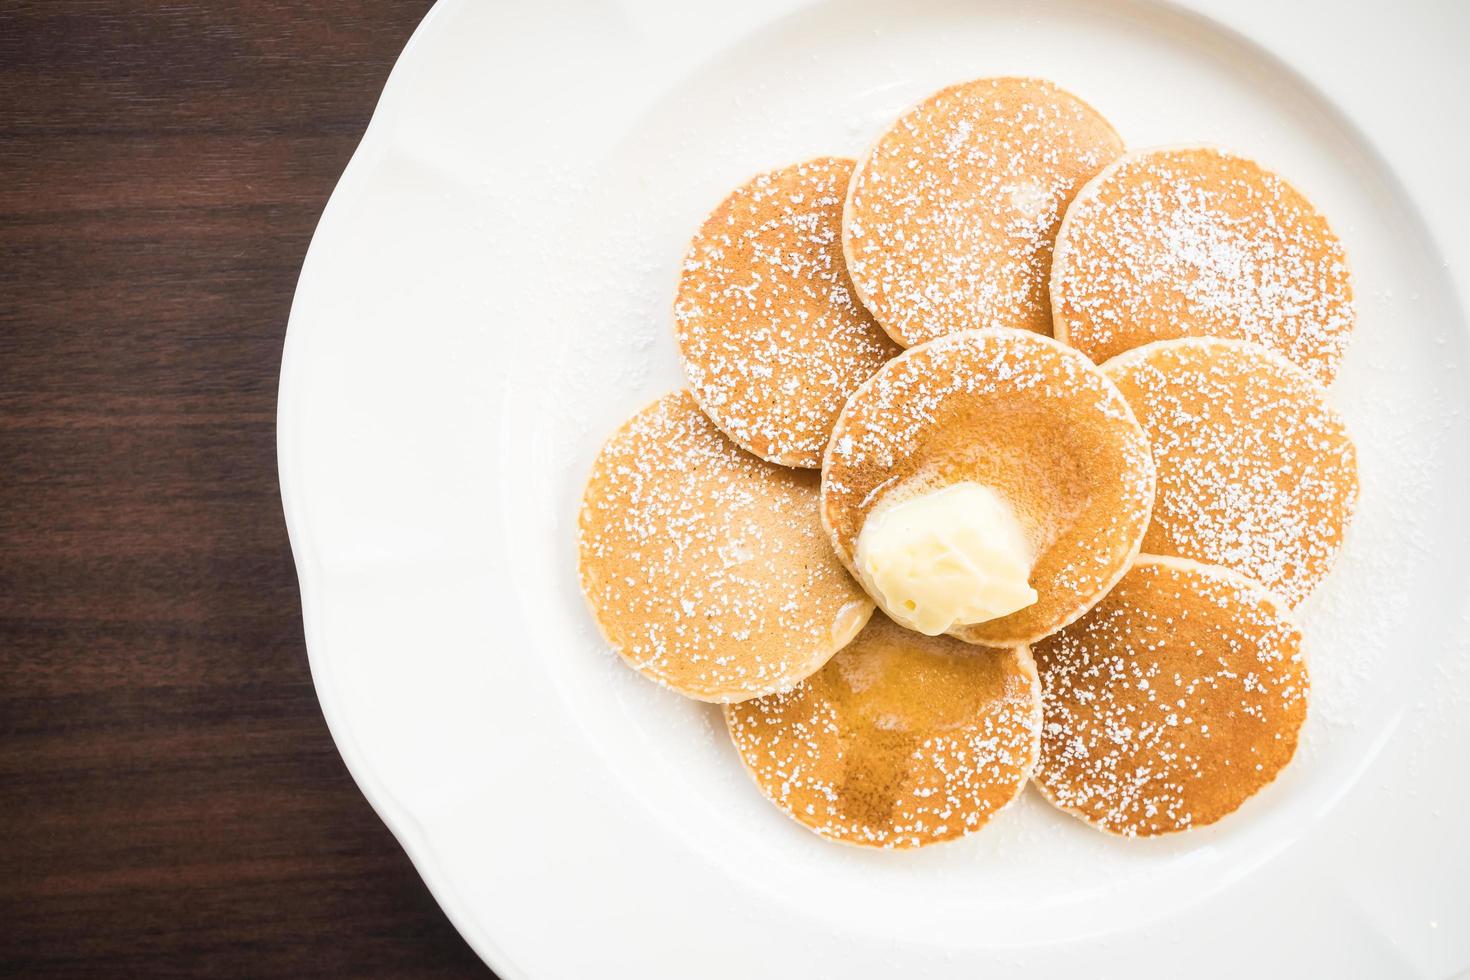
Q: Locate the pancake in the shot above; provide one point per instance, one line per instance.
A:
(951, 216)
(1195, 241)
(1029, 418)
(1255, 470)
(901, 740)
(705, 567)
(1172, 702)
(772, 338)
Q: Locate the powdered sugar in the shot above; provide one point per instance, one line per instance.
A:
(1196, 241)
(691, 551)
(902, 740)
(1174, 700)
(1256, 471)
(951, 216)
(772, 338)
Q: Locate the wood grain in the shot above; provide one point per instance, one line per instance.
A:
(170, 801)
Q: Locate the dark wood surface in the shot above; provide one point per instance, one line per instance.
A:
(170, 801)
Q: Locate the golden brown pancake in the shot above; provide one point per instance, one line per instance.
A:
(1172, 702)
(773, 339)
(1256, 471)
(705, 567)
(901, 740)
(951, 216)
(1196, 241)
(1024, 415)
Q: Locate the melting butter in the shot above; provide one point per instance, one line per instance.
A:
(950, 557)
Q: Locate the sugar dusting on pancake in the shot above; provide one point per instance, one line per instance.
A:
(951, 215)
(706, 568)
(772, 338)
(902, 740)
(1172, 702)
(1196, 241)
(1256, 471)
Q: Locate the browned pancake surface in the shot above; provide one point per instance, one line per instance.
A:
(1256, 471)
(951, 216)
(1172, 702)
(1026, 416)
(901, 740)
(706, 568)
(1196, 241)
(772, 338)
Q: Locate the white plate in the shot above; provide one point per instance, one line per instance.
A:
(488, 295)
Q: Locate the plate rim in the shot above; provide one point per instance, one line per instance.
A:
(404, 829)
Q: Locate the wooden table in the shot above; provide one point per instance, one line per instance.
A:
(170, 801)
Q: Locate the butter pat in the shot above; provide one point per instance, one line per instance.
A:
(950, 557)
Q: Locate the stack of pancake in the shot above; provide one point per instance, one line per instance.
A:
(1129, 348)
